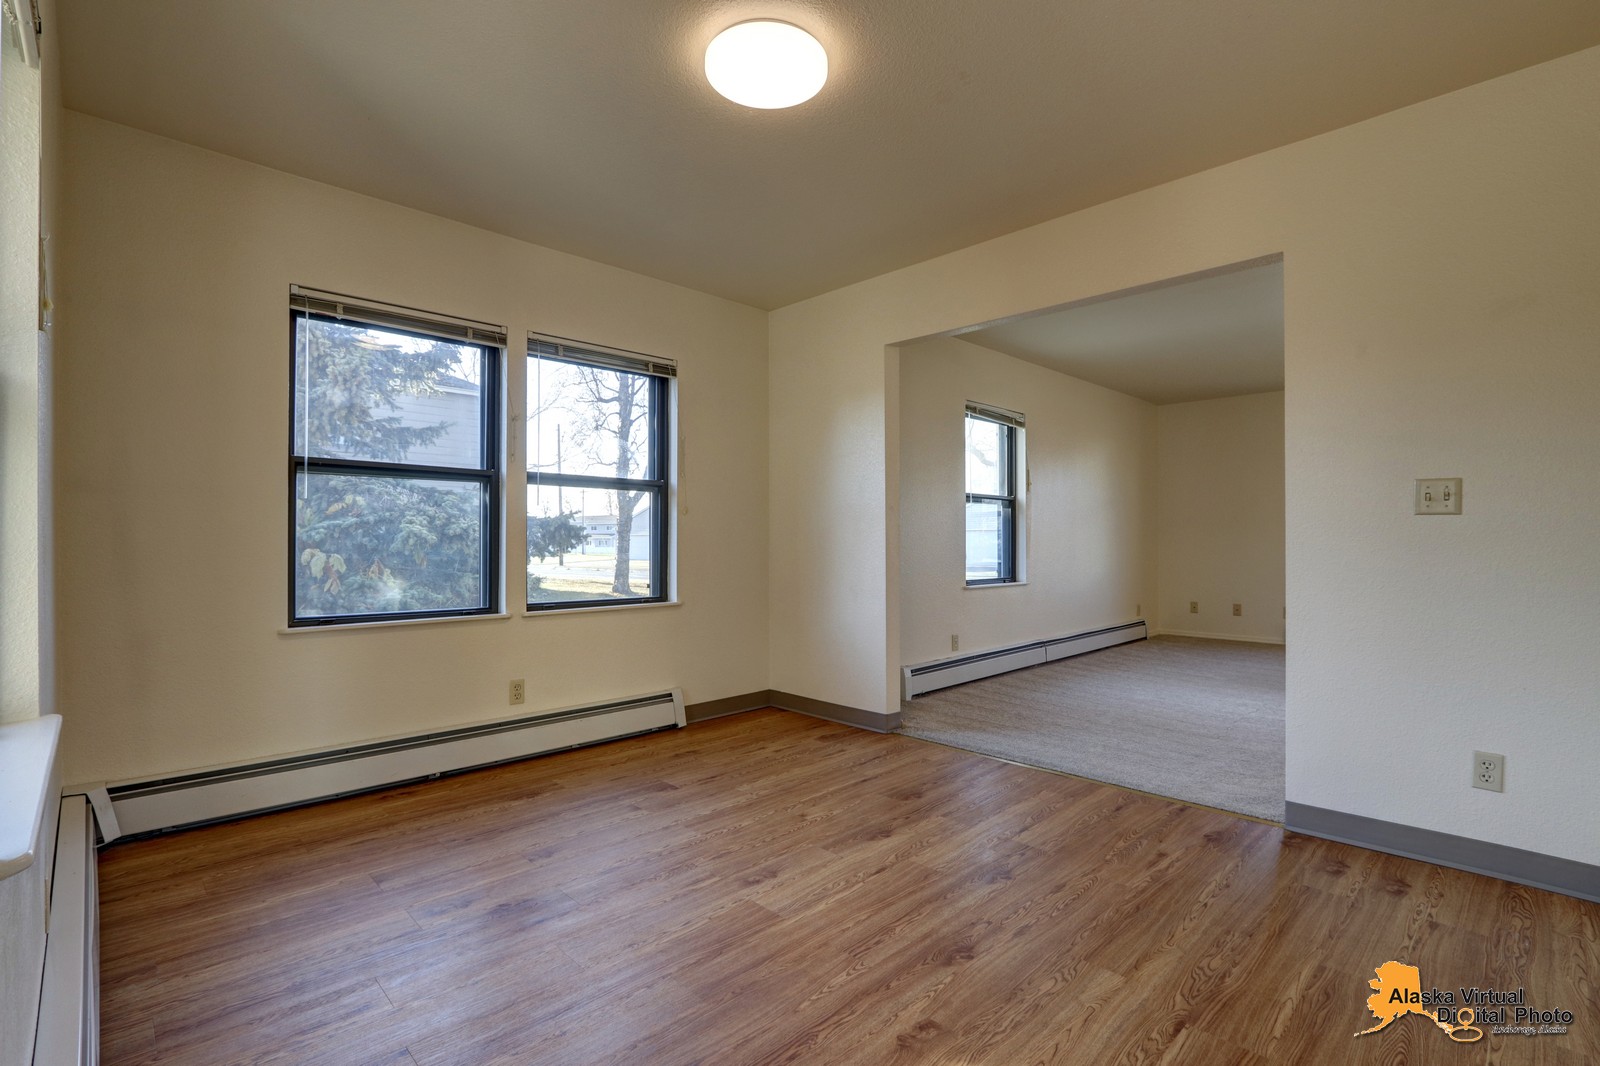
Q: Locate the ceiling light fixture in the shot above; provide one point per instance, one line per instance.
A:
(766, 64)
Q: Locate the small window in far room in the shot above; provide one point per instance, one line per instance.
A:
(994, 443)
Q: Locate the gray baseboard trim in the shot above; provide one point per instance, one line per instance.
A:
(1566, 876)
(836, 712)
(750, 701)
(788, 701)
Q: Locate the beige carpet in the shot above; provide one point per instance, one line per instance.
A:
(1197, 720)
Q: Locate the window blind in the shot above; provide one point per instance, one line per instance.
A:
(446, 327)
(996, 414)
(543, 346)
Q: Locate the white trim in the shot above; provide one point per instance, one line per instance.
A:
(229, 791)
(27, 789)
(994, 585)
(69, 1012)
(972, 666)
(1218, 636)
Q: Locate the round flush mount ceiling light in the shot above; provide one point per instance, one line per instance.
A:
(767, 64)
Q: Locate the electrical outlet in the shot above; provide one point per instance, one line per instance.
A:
(955, 642)
(1194, 607)
(1238, 610)
(1489, 771)
(519, 692)
(1138, 609)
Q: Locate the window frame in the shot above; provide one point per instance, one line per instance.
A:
(1012, 425)
(313, 306)
(662, 377)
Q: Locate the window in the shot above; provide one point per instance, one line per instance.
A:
(994, 443)
(393, 466)
(598, 456)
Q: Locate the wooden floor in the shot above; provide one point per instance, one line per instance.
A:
(770, 888)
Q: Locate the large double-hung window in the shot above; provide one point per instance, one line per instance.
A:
(394, 463)
(599, 442)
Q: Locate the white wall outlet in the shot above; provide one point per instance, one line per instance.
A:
(1238, 610)
(955, 642)
(1194, 606)
(519, 691)
(1439, 495)
(1489, 771)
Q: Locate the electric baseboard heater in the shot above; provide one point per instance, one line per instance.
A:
(959, 669)
(232, 791)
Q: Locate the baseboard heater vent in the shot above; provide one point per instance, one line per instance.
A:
(957, 670)
(69, 1000)
(144, 807)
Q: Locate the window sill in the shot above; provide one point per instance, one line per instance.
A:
(562, 611)
(339, 627)
(994, 585)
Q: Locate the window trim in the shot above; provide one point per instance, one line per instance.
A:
(1012, 425)
(311, 305)
(662, 376)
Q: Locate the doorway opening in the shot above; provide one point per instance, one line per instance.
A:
(1146, 432)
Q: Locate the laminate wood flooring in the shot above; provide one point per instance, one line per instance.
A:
(768, 888)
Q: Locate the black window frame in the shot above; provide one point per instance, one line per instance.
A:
(661, 374)
(410, 322)
(1011, 424)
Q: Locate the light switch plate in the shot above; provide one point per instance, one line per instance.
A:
(1439, 495)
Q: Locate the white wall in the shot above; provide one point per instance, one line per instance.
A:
(1220, 517)
(1441, 265)
(173, 438)
(1089, 513)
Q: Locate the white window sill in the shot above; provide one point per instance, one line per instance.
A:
(560, 611)
(338, 627)
(27, 759)
(994, 585)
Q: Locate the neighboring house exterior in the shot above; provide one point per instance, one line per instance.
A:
(455, 403)
(602, 530)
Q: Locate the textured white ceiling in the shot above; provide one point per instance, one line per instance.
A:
(587, 125)
(1200, 339)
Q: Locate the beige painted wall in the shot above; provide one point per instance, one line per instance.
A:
(1220, 517)
(26, 173)
(1089, 513)
(29, 175)
(1441, 270)
(172, 429)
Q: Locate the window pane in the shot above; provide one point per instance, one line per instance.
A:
(590, 544)
(988, 466)
(588, 420)
(366, 544)
(988, 533)
(367, 393)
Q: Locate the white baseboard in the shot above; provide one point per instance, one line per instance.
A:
(1218, 636)
(959, 669)
(227, 792)
(69, 1001)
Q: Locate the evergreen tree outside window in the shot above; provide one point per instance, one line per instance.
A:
(393, 470)
(598, 459)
